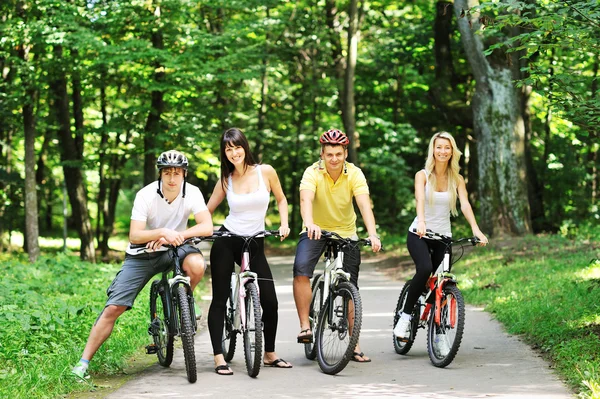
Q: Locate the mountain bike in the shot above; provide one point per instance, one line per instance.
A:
(172, 312)
(335, 311)
(441, 308)
(243, 312)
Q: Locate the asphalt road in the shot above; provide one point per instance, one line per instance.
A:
(490, 362)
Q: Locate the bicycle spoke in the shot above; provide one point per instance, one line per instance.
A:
(338, 328)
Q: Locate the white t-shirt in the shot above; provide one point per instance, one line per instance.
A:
(151, 208)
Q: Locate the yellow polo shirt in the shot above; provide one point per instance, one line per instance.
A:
(332, 207)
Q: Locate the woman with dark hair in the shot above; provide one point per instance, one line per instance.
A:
(247, 187)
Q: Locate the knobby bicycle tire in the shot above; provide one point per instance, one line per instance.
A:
(403, 346)
(335, 344)
(159, 325)
(253, 332)
(310, 350)
(452, 302)
(229, 334)
(187, 332)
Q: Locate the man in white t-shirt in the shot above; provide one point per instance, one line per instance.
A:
(160, 214)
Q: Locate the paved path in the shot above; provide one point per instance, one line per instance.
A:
(490, 363)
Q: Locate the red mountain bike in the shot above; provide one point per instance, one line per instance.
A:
(441, 308)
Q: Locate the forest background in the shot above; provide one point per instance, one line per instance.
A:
(92, 91)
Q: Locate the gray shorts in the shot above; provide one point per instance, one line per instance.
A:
(137, 270)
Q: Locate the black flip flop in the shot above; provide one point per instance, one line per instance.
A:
(223, 367)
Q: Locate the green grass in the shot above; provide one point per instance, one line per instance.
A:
(546, 289)
(47, 309)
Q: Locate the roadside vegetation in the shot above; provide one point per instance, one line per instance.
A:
(545, 289)
(47, 309)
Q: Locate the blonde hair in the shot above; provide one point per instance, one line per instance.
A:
(452, 171)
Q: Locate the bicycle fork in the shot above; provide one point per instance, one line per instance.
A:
(436, 283)
(238, 285)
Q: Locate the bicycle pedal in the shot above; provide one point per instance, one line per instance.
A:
(151, 349)
(154, 327)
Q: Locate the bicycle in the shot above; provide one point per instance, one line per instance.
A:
(243, 312)
(335, 312)
(172, 313)
(444, 314)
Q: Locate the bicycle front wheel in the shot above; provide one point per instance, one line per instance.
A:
(338, 328)
(159, 327)
(229, 334)
(310, 350)
(402, 346)
(186, 330)
(443, 339)
(253, 331)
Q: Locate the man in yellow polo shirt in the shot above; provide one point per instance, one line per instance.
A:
(326, 193)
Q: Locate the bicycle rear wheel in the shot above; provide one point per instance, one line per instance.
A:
(229, 334)
(443, 340)
(186, 330)
(402, 346)
(310, 350)
(253, 331)
(159, 328)
(338, 328)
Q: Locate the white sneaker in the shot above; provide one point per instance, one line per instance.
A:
(441, 344)
(402, 329)
(80, 372)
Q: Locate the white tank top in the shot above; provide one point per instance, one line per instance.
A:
(247, 211)
(437, 215)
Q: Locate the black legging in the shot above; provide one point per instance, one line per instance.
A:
(223, 254)
(427, 255)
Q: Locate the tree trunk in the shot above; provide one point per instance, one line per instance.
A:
(31, 202)
(157, 107)
(348, 106)
(498, 126)
(72, 162)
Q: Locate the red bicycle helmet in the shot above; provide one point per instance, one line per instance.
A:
(335, 137)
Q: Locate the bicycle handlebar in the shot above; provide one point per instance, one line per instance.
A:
(336, 237)
(264, 233)
(449, 240)
(216, 234)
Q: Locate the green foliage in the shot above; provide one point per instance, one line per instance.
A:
(537, 291)
(47, 310)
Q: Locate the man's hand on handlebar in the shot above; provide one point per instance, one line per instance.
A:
(375, 243)
(313, 231)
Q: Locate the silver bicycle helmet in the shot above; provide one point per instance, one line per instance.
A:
(172, 159)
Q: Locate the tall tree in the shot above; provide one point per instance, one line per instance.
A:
(31, 203)
(499, 129)
(71, 157)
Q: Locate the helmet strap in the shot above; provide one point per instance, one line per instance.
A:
(184, 183)
(158, 189)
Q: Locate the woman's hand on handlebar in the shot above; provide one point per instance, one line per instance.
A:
(284, 231)
(483, 240)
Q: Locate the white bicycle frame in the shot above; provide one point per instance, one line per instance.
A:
(238, 292)
(332, 273)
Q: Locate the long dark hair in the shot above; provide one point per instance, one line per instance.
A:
(233, 137)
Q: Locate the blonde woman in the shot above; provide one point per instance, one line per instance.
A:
(437, 188)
